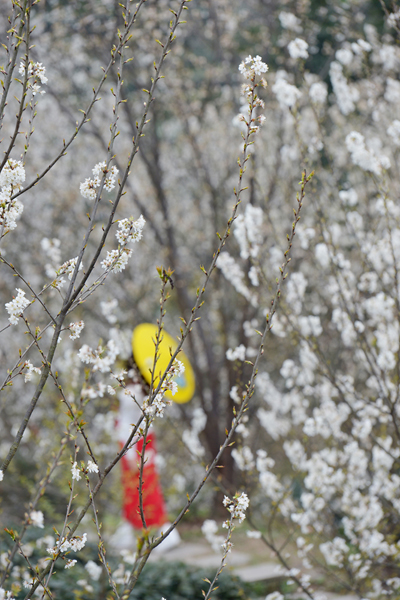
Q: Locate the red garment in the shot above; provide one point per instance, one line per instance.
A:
(153, 500)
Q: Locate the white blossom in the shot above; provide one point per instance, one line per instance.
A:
(394, 131)
(191, 439)
(10, 210)
(322, 254)
(346, 95)
(90, 186)
(244, 458)
(107, 309)
(310, 325)
(77, 543)
(253, 276)
(318, 92)
(69, 267)
(239, 353)
(29, 370)
(100, 361)
(393, 19)
(250, 67)
(76, 472)
(233, 273)
(286, 93)
(392, 93)
(361, 46)
(6, 595)
(344, 56)
(296, 288)
(349, 197)
(116, 260)
(130, 231)
(290, 21)
(75, 329)
(12, 175)
(209, 530)
(363, 156)
(92, 467)
(154, 407)
(94, 570)
(298, 48)
(248, 231)
(335, 551)
(237, 506)
(37, 518)
(36, 73)
(256, 535)
(16, 307)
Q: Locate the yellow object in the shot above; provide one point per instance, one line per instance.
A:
(143, 348)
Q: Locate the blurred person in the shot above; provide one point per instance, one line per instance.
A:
(130, 401)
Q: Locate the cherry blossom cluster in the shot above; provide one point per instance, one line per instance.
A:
(51, 248)
(100, 362)
(289, 21)
(12, 177)
(298, 48)
(239, 353)
(248, 231)
(352, 466)
(29, 370)
(210, 531)
(116, 260)
(318, 92)
(233, 273)
(16, 307)
(107, 309)
(97, 391)
(243, 457)
(77, 471)
(36, 518)
(129, 231)
(75, 544)
(250, 67)
(94, 570)
(190, 437)
(36, 76)
(365, 157)
(68, 268)
(237, 507)
(89, 187)
(286, 93)
(346, 94)
(393, 19)
(76, 329)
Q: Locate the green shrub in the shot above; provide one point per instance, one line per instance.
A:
(177, 581)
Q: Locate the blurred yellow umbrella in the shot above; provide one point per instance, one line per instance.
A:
(143, 349)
